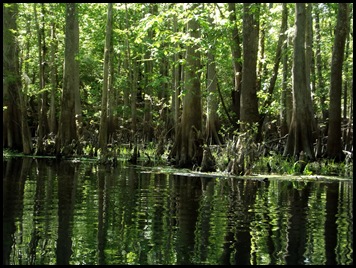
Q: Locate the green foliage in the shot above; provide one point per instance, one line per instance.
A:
(281, 165)
(307, 171)
(8, 153)
(330, 167)
(132, 258)
(274, 164)
(144, 33)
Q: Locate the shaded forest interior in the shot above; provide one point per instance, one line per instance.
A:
(210, 87)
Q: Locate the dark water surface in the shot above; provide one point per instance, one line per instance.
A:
(76, 213)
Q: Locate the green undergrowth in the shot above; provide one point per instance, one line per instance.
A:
(272, 165)
(277, 164)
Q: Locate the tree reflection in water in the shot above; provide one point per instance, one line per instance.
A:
(73, 213)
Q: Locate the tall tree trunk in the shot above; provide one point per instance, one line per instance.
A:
(67, 131)
(309, 60)
(77, 102)
(147, 117)
(347, 133)
(300, 136)
(262, 64)
(128, 72)
(132, 66)
(212, 121)
(308, 43)
(345, 90)
(42, 101)
(52, 114)
(236, 61)
(163, 96)
(177, 69)
(187, 150)
(286, 98)
(309, 40)
(212, 124)
(16, 134)
(280, 47)
(319, 65)
(134, 79)
(126, 89)
(112, 95)
(148, 74)
(249, 102)
(334, 145)
(78, 108)
(103, 131)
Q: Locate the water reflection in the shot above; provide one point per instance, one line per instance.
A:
(72, 213)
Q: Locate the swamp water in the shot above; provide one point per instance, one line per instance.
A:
(80, 213)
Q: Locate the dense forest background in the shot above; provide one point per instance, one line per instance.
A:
(214, 85)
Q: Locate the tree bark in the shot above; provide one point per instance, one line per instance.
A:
(187, 150)
(262, 64)
(16, 134)
(286, 98)
(52, 114)
(42, 98)
(334, 144)
(319, 65)
(310, 45)
(300, 136)
(236, 62)
(134, 78)
(177, 70)
(345, 89)
(345, 136)
(164, 112)
(133, 70)
(249, 102)
(103, 131)
(212, 123)
(112, 95)
(67, 132)
(309, 61)
(148, 74)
